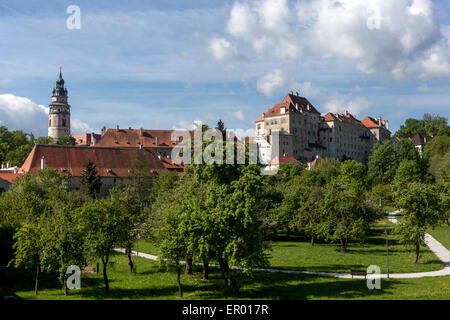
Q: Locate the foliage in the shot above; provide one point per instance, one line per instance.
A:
(431, 125)
(383, 162)
(90, 181)
(422, 209)
(440, 145)
(15, 146)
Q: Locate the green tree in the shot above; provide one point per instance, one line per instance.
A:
(90, 181)
(408, 171)
(66, 141)
(383, 162)
(382, 192)
(422, 209)
(221, 127)
(28, 247)
(102, 227)
(440, 145)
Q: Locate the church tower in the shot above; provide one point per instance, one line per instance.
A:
(59, 112)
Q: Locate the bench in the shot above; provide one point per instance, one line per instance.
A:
(358, 273)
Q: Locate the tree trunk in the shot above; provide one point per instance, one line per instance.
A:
(205, 272)
(312, 240)
(188, 264)
(416, 258)
(38, 270)
(230, 283)
(105, 276)
(130, 261)
(343, 244)
(65, 285)
(180, 289)
(381, 203)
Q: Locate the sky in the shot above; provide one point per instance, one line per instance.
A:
(166, 64)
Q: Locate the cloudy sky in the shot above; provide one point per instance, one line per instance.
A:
(165, 64)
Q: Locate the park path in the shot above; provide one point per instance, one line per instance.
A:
(435, 246)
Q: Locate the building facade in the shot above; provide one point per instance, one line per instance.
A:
(305, 134)
(59, 112)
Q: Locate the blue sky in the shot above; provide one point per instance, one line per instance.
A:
(165, 64)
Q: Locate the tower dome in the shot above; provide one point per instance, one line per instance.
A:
(59, 111)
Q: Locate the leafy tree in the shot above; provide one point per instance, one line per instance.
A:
(102, 223)
(410, 128)
(15, 146)
(408, 171)
(66, 141)
(234, 226)
(422, 209)
(45, 140)
(383, 162)
(28, 247)
(440, 145)
(440, 167)
(382, 192)
(308, 219)
(62, 239)
(433, 123)
(90, 181)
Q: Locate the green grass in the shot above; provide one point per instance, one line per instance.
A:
(151, 282)
(298, 255)
(442, 234)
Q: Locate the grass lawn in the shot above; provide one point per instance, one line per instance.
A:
(151, 282)
(300, 255)
(442, 234)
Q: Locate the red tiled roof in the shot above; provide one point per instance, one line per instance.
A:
(86, 139)
(289, 102)
(132, 138)
(283, 159)
(170, 165)
(110, 162)
(370, 122)
(8, 176)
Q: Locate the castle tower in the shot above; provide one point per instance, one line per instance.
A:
(59, 112)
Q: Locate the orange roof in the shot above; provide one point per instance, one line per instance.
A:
(134, 138)
(283, 159)
(8, 176)
(370, 122)
(110, 162)
(170, 165)
(289, 103)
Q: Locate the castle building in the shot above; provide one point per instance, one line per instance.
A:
(305, 134)
(59, 112)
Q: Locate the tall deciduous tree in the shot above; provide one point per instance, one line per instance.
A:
(422, 209)
(383, 162)
(102, 227)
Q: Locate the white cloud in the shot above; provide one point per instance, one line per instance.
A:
(20, 113)
(271, 82)
(222, 49)
(398, 39)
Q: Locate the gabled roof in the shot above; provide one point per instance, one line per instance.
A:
(87, 139)
(290, 102)
(170, 165)
(8, 176)
(346, 118)
(370, 122)
(302, 102)
(110, 162)
(421, 139)
(132, 138)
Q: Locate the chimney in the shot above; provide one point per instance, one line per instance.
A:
(129, 128)
(346, 112)
(8, 164)
(296, 106)
(117, 127)
(387, 124)
(93, 138)
(141, 132)
(296, 92)
(3, 165)
(42, 163)
(157, 141)
(384, 123)
(141, 146)
(308, 107)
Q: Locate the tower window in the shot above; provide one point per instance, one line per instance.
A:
(64, 122)
(50, 122)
